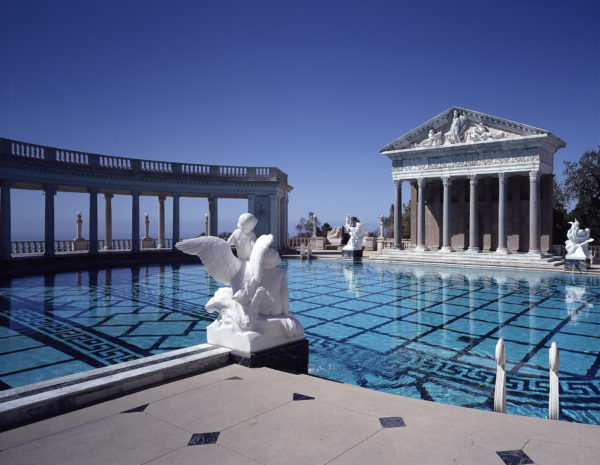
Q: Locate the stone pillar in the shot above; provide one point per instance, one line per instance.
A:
(79, 222)
(5, 218)
(49, 192)
(93, 248)
(108, 221)
(381, 217)
(251, 203)
(79, 241)
(446, 245)
(534, 212)
(314, 225)
(213, 214)
(502, 181)
(176, 237)
(273, 217)
(398, 214)
(161, 221)
(207, 224)
(135, 221)
(421, 216)
(285, 220)
(473, 217)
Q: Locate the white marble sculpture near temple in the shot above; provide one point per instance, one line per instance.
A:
(355, 241)
(254, 312)
(577, 242)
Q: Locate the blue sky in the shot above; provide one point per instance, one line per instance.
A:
(314, 88)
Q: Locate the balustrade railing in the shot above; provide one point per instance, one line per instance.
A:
(388, 243)
(296, 242)
(61, 246)
(11, 148)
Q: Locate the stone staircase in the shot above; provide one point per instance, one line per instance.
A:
(513, 260)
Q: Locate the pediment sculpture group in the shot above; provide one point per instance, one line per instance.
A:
(458, 133)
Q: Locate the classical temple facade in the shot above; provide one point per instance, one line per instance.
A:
(478, 183)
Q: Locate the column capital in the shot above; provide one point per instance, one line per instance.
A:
(473, 179)
(108, 195)
(213, 196)
(534, 176)
(161, 198)
(421, 182)
(398, 182)
(49, 188)
(6, 183)
(176, 195)
(135, 193)
(446, 181)
(251, 196)
(94, 190)
(503, 177)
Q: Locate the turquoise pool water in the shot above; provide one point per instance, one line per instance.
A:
(424, 332)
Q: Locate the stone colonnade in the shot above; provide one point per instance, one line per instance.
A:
(272, 219)
(440, 223)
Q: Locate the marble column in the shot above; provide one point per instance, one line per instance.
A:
(421, 216)
(108, 221)
(473, 217)
(135, 221)
(398, 214)
(161, 221)
(49, 193)
(273, 217)
(5, 218)
(285, 220)
(502, 181)
(93, 248)
(207, 224)
(446, 243)
(176, 237)
(251, 203)
(213, 214)
(534, 213)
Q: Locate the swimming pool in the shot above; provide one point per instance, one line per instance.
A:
(424, 332)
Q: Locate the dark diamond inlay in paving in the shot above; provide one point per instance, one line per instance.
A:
(141, 408)
(203, 438)
(302, 397)
(514, 457)
(392, 422)
(233, 378)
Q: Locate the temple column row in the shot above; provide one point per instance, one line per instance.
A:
(534, 214)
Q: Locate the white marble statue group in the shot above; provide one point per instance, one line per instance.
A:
(356, 233)
(254, 312)
(459, 132)
(577, 242)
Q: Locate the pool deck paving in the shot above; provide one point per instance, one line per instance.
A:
(238, 415)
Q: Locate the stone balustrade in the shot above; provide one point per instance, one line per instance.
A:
(296, 242)
(92, 161)
(61, 246)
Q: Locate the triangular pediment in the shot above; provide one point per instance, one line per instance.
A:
(461, 126)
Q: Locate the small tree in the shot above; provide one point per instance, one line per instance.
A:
(582, 185)
(406, 221)
(560, 216)
(304, 226)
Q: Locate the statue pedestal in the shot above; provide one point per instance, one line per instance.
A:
(317, 243)
(351, 254)
(577, 264)
(146, 242)
(291, 357)
(79, 244)
(369, 243)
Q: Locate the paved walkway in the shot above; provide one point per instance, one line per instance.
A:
(237, 415)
